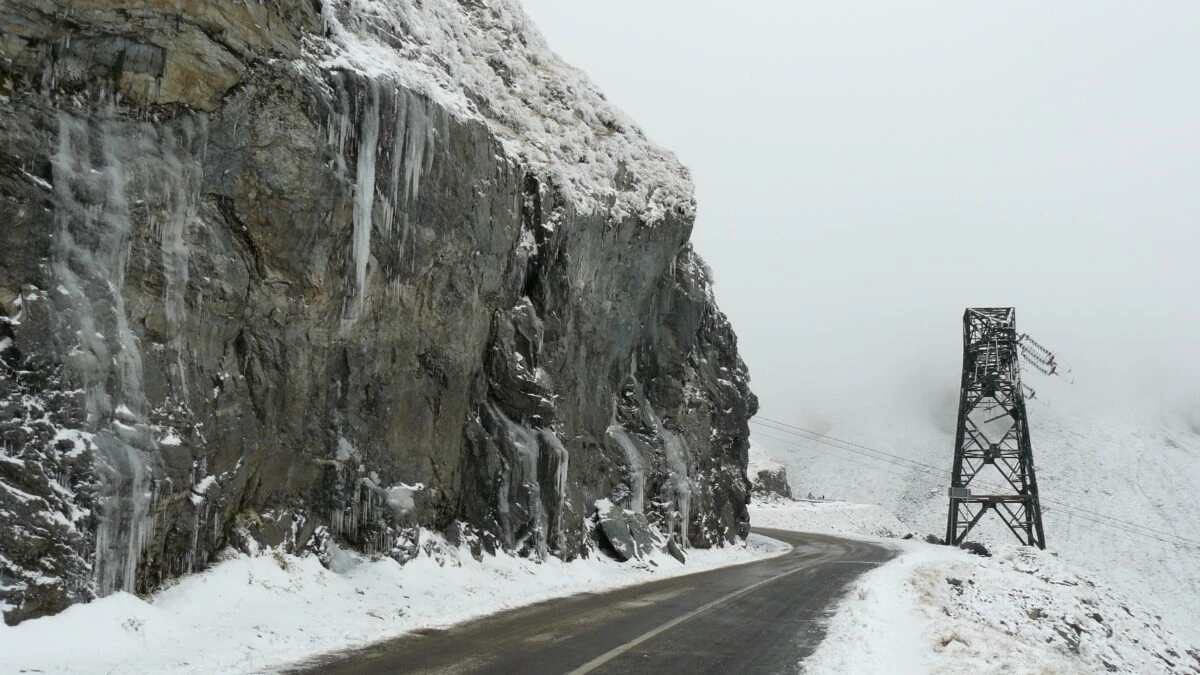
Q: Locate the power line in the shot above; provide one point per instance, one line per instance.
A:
(880, 455)
(858, 448)
(839, 443)
(828, 453)
(1188, 545)
(901, 462)
(886, 456)
(913, 465)
(1067, 509)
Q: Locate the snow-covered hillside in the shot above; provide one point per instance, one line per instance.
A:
(939, 610)
(1140, 467)
(489, 62)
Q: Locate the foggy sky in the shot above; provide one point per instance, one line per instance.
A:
(864, 171)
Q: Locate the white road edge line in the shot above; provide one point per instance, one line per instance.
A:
(617, 651)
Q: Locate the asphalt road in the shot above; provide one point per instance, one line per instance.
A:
(759, 617)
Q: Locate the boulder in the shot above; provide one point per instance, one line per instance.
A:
(624, 534)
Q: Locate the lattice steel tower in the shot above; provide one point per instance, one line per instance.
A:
(993, 430)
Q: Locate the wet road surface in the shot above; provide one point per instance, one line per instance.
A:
(758, 617)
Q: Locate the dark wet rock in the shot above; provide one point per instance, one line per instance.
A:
(1071, 635)
(772, 482)
(676, 552)
(975, 548)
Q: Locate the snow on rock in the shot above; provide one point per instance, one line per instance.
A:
(487, 61)
(939, 610)
(767, 476)
(201, 488)
(626, 532)
(260, 612)
(400, 498)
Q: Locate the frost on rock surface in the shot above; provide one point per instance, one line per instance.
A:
(487, 61)
(96, 170)
(319, 278)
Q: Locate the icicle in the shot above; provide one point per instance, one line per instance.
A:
(392, 133)
(364, 190)
(526, 443)
(637, 467)
(126, 496)
(182, 178)
(99, 167)
(399, 130)
(116, 219)
(340, 130)
(680, 484)
(561, 464)
(503, 511)
(200, 500)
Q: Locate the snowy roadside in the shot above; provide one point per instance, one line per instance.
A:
(263, 612)
(940, 610)
(936, 609)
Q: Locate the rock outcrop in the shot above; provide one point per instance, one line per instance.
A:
(309, 273)
(768, 478)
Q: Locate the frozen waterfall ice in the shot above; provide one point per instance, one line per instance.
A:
(561, 461)
(637, 467)
(392, 133)
(101, 166)
(679, 484)
(525, 441)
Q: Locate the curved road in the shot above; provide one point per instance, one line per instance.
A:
(758, 617)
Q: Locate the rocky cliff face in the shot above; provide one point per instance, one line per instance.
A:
(321, 275)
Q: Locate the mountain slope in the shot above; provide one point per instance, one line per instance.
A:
(1141, 468)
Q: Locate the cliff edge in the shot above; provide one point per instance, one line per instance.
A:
(325, 274)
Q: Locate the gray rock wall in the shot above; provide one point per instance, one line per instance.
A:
(250, 299)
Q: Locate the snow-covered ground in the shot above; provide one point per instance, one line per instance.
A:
(932, 610)
(936, 609)
(1138, 466)
(759, 459)
(940, 610)
(253, 613)
(826, 517)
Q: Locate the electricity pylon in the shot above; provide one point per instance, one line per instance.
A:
(993, 430)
